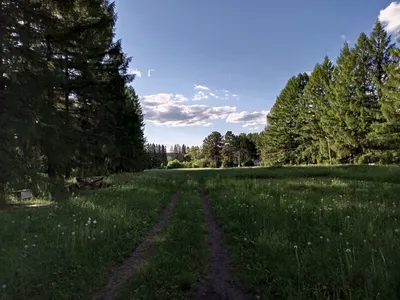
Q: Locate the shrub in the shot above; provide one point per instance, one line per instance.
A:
(248, 163)
(174, 164)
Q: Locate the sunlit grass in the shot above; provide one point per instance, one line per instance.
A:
(312, 238)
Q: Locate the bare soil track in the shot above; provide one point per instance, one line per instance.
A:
(122, 273)
(217, 285)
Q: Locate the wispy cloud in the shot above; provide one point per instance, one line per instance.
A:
(390, 16)
(135, 72)
(253, 120)
(201, 87)
(344, 38)
(149, 72)
(200, 95)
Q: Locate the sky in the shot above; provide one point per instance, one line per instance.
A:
(218, 65)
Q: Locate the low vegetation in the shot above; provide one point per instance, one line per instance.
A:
(292, 233)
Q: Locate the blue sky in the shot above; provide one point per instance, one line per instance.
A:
(219, 64)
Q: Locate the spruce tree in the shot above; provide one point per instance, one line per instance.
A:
(212, 146)
(385, 137)
(229, 150)
(314, 147)
(281, 137)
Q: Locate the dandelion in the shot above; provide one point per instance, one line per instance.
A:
(309, 243)
(94, 222)
(321, 237)
(58, 225)
(73, 233)
(3, 286)
(340, 233)
(348, 250)
(295, 247)
(348, 217)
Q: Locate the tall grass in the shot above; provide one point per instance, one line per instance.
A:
(67, 251)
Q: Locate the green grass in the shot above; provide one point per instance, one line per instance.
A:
(67, 251)
(180, 255)
(312, 233)
(292, 232)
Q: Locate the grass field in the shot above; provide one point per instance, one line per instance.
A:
(292, 233)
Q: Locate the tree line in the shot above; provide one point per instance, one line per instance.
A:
(343, 113)
(66, 106)
(217, 150)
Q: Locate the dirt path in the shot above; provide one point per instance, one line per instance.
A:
(122, 273)
(217, 285)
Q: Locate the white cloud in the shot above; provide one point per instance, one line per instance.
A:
(200, 95)
(234, 95)
(201, 87)
(343, 37)
(213, 95)
(135, 72)
(170, 110)
(149, 72)
(249, 119)
(390, 16)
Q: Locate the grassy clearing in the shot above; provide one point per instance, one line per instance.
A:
(67, 251)
(180, 254)
(312, 233)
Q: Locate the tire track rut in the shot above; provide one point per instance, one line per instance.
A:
(217, 284)
(123, 272)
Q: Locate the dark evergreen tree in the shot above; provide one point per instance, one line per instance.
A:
(212, 146)
(229, 150)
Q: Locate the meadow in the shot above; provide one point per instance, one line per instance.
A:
(291, 232)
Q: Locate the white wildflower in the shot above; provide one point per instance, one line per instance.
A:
(94, 222)
(347, 243)
(348, 217)
(396, 230)
(3, 286)
(348, 250)
(340, 233)
(26, 246)
(321, 237)
(35, 236)
(309, 243)
(33, 245)
(364, 241)
(295, 247)
(73, 233)
(58, 225)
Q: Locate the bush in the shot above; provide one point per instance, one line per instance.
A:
(174, 164)
(248, 163)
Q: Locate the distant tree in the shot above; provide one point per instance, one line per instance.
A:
(229, 150)
(212, 146)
